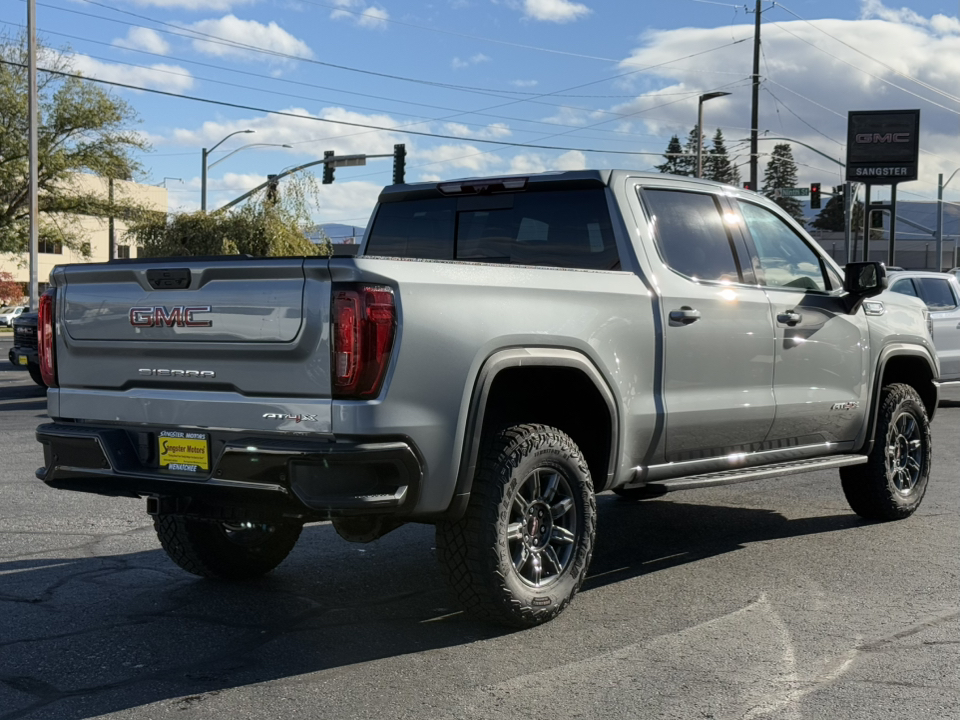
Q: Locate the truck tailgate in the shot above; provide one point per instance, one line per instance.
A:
(231, 343)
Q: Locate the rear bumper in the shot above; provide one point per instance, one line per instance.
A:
(248, 474)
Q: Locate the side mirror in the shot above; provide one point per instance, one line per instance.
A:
(863, 280)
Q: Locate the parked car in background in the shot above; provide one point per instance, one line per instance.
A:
(23, 354)
(10, 313)
(940, 292)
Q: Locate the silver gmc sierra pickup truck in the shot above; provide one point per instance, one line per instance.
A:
(499, 351)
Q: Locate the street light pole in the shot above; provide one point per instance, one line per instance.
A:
(203, 167)
(940, 186)
(702, 99)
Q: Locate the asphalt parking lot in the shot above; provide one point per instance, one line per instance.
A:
(763, 600)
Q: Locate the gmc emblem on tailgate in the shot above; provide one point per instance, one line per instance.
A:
(179, 316)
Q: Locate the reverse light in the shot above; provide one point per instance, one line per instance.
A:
(364, 327)
(45, 339)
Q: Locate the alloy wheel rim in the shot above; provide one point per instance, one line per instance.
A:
(904, 453)
(543, 527)
(248, 534)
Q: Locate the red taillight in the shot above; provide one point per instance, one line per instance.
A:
(45, 341)
(364, 325)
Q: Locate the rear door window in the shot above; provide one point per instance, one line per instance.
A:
(691, 235)
(560, 228)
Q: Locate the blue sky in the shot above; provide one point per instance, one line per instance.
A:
(589, 78)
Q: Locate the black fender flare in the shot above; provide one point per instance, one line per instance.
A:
(865, 442)
(523, 357)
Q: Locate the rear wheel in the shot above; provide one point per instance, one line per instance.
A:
(891, 485)
(522, 549)
(229, 551)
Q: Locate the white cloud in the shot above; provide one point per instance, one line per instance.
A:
(308, 137)
(160, 76)
(491, 132)
(524, 83)
(141, 38)
(450, 158)
(821, 88)
(558, 11)
(525, 163)
(458, 64)
(372, 16)
(247, 32)
(197, 5)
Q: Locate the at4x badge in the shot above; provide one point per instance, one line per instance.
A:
(296, 418)
(852, 405)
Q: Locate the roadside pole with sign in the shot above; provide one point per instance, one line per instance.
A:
(882, 149)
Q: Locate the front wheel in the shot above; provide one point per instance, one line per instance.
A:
(228, 551)
(891, 485)
(522, 549)
(36, 375)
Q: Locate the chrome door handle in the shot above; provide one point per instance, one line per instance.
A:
(789, 318)
(684, 316)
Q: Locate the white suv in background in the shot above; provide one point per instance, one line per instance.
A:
(940, 292)
(7, 314)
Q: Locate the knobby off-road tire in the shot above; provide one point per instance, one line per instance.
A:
(227, 551)
(892, 483)
(522, 549)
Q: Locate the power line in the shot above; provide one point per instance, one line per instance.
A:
(865, 72)
(322, 87)
(870, 57)
(281, 113)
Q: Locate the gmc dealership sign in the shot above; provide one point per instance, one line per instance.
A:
(882, 146)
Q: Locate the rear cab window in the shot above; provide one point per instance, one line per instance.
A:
(541, 227)
(692, 236)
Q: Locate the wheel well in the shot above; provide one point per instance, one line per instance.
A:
(561, 397)
(915, 372)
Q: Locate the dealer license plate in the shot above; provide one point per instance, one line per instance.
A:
(183, 451)
(22, 360)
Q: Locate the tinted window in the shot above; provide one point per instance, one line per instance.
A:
(691, 234)
(560, 228)
(414, 229)
(785, 259)
(904, 287)
(936, 293)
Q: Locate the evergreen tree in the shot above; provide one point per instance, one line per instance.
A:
(781, 172)
(717, 165)
(674, 164)
(831, 217)
(689, 161)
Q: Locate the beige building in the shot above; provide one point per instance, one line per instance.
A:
(93, 230)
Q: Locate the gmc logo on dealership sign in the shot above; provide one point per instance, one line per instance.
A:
(888, 138)
(159, 316)
(882, 146)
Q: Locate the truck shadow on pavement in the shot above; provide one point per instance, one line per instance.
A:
(95, 622)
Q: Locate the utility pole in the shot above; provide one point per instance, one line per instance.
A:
(33, 151)
(755, 109)
(111, 234)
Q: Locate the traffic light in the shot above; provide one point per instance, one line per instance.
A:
(272, 187)
(327, 167)
(815, 196)
(399, 162)
(876, 219)
(746, 186)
